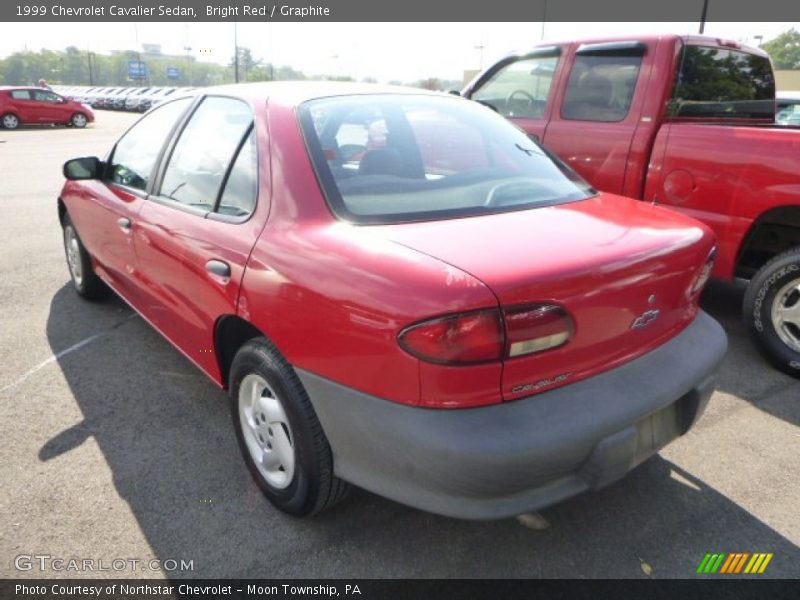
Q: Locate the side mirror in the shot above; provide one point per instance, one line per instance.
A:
(88, 167)
(454, 92)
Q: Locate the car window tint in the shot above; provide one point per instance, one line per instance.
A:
(21, 94)
(136, 153)
(521, 88)
(721, 83)
(46, 96)
(601, 87)
(204, 150)
(239, 196)
(410, 157)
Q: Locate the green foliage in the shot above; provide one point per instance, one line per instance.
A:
(785, 50)
(71, 67)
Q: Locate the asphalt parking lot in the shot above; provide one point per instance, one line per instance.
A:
(115, 446)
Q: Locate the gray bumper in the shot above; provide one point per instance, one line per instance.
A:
(505, 459)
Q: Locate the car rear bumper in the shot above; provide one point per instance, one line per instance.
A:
(506, 459)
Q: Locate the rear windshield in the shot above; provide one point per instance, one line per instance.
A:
(397, 158)
(721, 83)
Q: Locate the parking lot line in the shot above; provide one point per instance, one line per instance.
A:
(53, 358)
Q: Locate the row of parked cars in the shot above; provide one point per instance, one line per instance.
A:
(136, 99)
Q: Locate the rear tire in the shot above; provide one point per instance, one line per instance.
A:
(279, 435)
(10, 121)
(772, 310)
(84, 279)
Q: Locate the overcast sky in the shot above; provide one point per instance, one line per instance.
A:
(386, 51)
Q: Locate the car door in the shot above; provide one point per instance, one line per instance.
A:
(104, 216)
(520, 88)
(598, 111)
(194, 234)
(48, 107)
(22, 103)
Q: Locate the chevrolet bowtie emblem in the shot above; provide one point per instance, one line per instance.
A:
(645, 319)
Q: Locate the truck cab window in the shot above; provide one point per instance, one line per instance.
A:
(721, 83)
(519, 89)
(601, 87)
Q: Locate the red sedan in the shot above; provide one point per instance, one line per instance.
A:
(402, 291)
(38, 106)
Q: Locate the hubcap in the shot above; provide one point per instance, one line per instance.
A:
(79, 120)
(266, 431)
(786, 314)
(10, 121)
(73, 255)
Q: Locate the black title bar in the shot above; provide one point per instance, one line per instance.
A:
(398, 11)
(733, 588)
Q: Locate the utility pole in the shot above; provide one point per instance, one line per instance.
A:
(544, 20)
(703, 16)
(89, 56)
(235, 52)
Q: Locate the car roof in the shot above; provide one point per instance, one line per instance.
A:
(292, 93)
(23, 87)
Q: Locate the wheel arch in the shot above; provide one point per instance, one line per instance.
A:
(772, 233)
(231, 332)
(62, 211)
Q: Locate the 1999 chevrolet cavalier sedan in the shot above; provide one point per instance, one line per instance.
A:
(402, 291)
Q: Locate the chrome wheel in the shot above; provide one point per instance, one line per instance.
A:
(786, 314)
(10, 121)
(266, 431)
(72, 246)
(79, 120)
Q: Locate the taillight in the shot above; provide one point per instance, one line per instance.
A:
(460, 339)
(702, 277)
(488, 335)
(534, 329)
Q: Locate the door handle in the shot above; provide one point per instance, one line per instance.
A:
(124, 224)
(218, 268)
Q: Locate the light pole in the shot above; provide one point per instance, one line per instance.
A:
(544, 20)
(480, 64)
(703, 16)
(236, 52)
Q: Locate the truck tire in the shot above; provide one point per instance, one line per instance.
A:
(772, 310)
(279, 435)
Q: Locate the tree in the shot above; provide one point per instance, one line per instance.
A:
(247, 62)
(785, 50)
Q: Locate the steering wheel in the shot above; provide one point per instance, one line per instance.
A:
(527, 96)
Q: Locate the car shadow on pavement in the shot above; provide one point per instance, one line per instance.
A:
(166, 435)
(746, 373)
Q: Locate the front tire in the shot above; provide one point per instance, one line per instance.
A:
(79, 120)
(772, 310)
(84, 279)
(279, 435)
(10, 121)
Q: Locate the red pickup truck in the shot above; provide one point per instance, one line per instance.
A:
(683, 121)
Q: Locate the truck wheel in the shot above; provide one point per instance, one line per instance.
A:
(772, 310)
(84, 279)
(279, 435)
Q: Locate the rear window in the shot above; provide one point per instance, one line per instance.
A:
(397, 158)
(722, 83)
(21, 94)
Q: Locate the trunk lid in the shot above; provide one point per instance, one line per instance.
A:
(609, 261)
